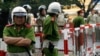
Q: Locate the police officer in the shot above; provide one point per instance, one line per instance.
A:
(30, 17)
(42, 11)
(50, 30)
(79, 20)
(41, 16)
(61, 20)
(19, 36)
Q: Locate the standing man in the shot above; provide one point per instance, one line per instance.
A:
(42, 12)
(41, 16)
(30, 16)
(79, 20)
(92, 18)
(50, 30)
(19, 36)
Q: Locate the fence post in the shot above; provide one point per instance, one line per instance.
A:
(65, 32)
(94, 37)
(82, 40)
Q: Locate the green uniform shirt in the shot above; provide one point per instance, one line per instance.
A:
(50, 29)
(78, 21)
(26, 32)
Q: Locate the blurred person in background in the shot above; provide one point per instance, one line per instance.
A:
(41, 16)
(30, 17)
(79, 20)
(41, 12)
(61, 20)
(92, 18)
(97, 29)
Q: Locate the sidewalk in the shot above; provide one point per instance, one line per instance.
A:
(61, 53)
(38, 53)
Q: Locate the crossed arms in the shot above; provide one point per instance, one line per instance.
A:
(18, 41)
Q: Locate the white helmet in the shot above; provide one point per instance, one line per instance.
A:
(27, 6)
(54, 7)
(42, 7)
(18, 11)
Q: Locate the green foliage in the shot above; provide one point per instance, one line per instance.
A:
(9, 1)
(36, 3)
(7, 4)
(65, 2)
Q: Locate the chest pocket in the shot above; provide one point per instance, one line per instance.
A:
(21, 33)
(16, 33)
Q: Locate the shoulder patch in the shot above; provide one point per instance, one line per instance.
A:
(28, 25)
(8, 25)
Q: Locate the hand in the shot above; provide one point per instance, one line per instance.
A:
(21, 38)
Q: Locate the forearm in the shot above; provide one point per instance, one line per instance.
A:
(12, 40)
(24, 42)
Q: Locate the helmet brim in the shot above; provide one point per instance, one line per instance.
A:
(20, 14)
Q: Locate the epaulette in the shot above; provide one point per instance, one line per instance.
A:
(28, 25)
(8, 25)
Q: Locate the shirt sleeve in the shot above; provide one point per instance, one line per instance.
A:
(6, 32)
(82, 22)
(88, 19)
(30, 34)
(47, 26)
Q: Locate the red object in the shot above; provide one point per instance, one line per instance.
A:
(2, 53)
(98, 24)
(81, 36)
(89, 49)
(66, 47)
(71, 25)
(97, 47)
(90, 26)
(72, 34)
(38, 34)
